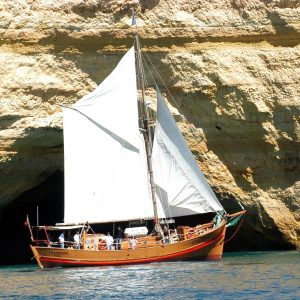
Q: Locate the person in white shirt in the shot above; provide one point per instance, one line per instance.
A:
(61, 240)
(77, 240)
(109, 241)
(133, 243)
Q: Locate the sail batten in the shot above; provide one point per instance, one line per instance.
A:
(105, 165)
(180, 184)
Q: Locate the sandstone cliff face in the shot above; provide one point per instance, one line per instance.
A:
(232, 66)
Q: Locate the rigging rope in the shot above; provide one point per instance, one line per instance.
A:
(233, 235)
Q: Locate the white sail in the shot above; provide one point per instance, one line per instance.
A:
(105, 163)
(180, 185)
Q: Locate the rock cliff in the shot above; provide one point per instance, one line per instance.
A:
(232, 66)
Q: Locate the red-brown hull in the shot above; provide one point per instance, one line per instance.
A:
(208, 246)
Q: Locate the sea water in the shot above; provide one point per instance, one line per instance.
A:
(255, 275)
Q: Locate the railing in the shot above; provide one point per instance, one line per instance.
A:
(140, 243)
(171, 238)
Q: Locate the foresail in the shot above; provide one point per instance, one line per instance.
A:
(105, 169)
(180, 185)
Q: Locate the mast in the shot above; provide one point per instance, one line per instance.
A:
(146, 127)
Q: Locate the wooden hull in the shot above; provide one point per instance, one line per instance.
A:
(208, 246)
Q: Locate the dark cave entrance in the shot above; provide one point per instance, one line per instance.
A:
(48, 197)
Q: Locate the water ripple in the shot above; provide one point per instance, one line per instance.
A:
(260, 275)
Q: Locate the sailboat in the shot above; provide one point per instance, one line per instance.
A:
(118, 168)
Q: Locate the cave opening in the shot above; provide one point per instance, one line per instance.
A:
(15, 237)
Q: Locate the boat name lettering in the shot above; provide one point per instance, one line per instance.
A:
(54, 253)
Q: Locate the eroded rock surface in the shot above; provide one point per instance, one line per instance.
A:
(233, 68)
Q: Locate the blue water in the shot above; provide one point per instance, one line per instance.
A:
(257, 275)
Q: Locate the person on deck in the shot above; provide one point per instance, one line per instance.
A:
(77, 240)
(61, 240)
(109, 241)
(133, 243)
(49, 240)
(119, 237)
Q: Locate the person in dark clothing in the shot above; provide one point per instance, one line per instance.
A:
(119, 237)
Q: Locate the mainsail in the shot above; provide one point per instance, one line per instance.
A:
(180, 185)
(106, 177)
(105, 163)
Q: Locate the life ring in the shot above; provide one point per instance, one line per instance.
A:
(191, 233)
(102, 245)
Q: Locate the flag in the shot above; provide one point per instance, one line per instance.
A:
(133, 20)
